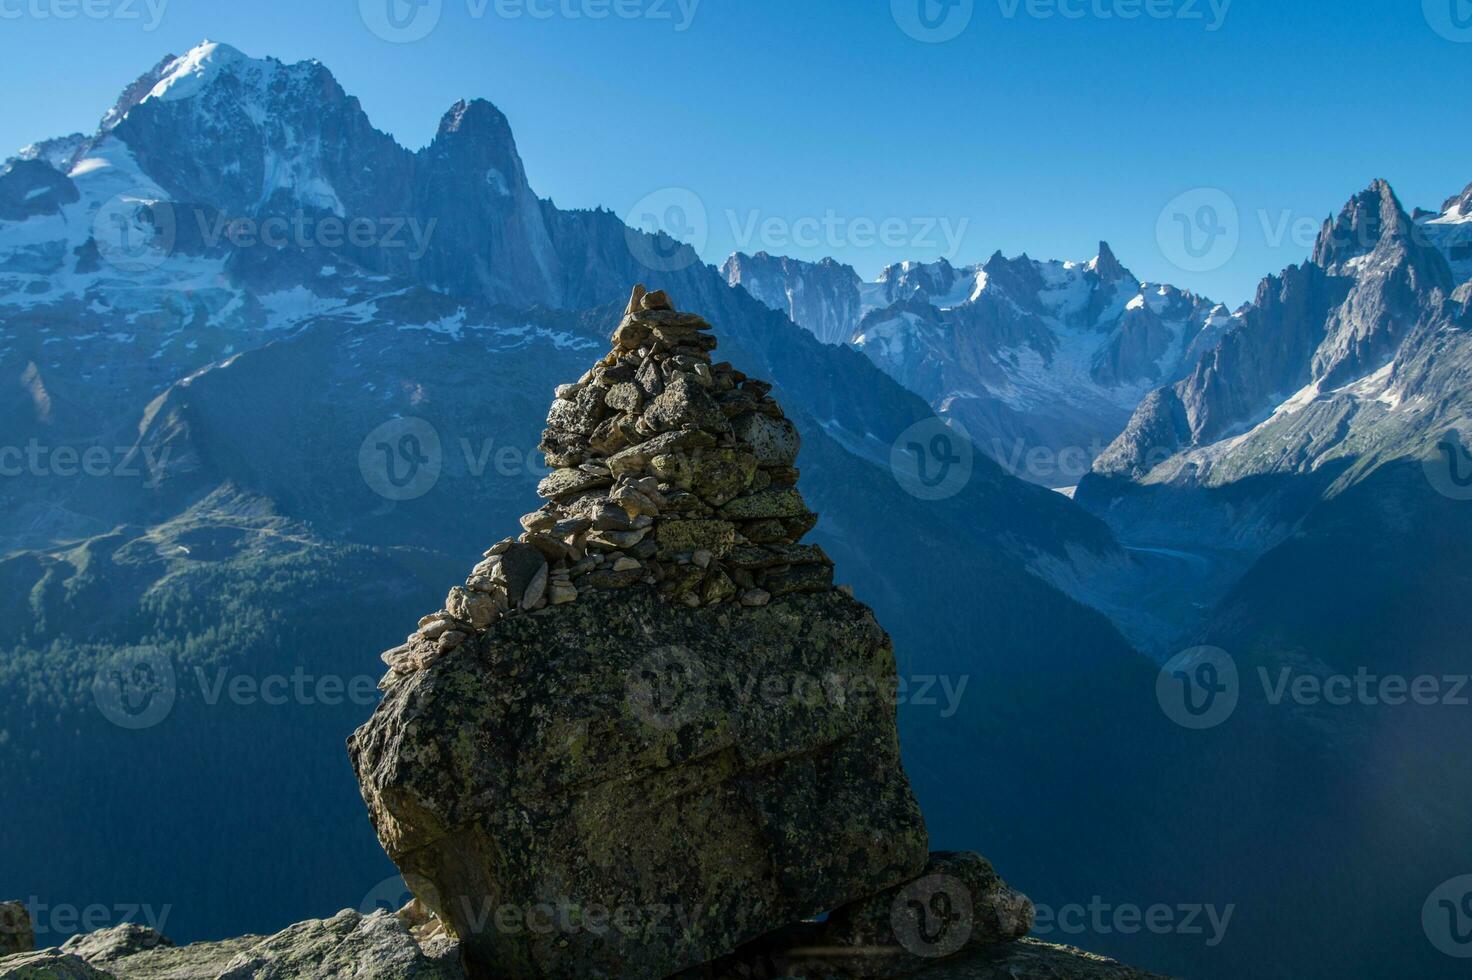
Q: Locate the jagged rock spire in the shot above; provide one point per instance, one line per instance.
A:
(670, 472)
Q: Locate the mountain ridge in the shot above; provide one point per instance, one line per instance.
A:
(1025, 356)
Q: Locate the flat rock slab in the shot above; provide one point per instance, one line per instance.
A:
(666, 784)
(364, 947)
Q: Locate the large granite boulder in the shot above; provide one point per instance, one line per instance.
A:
(621, 787)
(662, 732)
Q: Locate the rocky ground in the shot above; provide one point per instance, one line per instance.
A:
(383, 946)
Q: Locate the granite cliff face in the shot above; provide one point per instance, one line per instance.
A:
(823, 297)
(1337, 334)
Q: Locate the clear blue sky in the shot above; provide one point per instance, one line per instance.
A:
(1041, 132)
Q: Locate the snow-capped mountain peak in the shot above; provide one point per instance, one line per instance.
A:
(186, 76)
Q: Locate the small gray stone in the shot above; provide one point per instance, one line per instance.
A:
(774, 441)
(624, 397)
(657, 300)
(521, 564)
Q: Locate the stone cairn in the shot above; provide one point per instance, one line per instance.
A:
(670, 471)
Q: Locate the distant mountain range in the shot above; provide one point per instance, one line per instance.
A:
(1041, 363)
(214, 306)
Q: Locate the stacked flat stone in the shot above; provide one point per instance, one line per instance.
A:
(669, 471)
